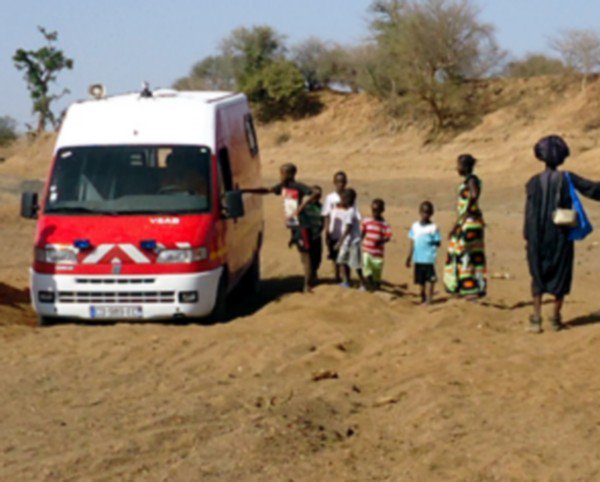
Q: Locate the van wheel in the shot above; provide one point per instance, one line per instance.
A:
(219, 312)
(252, 281)
(46, 321)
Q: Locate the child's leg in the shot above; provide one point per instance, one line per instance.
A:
(333, 255)
(345, 273)
(423, 293)
(338, 273)
(318, 258)
(430, 291)
(315, 260)
(378, 273)
(368, 271)
(306, 266)
(371, 283)
(363, 281)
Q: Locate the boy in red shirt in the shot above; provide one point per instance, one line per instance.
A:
(376, 232)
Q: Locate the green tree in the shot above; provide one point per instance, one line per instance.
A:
(312, 57)
(253, 61)
(277, 90)
(41, 68)
(533, 65)
(8, 130)
(215, 72)
(252, 49)
(428, 53)
(323, 64)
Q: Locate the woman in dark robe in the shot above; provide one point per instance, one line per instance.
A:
(550, 253)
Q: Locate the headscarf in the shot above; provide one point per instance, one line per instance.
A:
(553, 150)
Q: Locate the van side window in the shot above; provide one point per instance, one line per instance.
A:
(250, 135)
(225, 174)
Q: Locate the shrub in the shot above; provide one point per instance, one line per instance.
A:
(534, 65)
(8, 130)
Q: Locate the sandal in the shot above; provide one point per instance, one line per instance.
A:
(557, 324)
(535, 324)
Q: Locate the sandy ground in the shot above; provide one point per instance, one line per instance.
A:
(337, 385)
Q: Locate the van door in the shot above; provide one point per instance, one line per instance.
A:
(233, 242)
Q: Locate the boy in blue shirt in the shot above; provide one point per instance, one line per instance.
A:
(425, 239)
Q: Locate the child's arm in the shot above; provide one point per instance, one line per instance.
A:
(387, 236)
(312, 197)
(437, 239)
(327, 219)
(259, 190)
(410, 254)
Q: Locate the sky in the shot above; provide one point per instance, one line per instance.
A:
(121, 43)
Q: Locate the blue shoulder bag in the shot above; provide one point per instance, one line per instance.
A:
(584, 227)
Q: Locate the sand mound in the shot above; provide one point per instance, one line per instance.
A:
(352, 133)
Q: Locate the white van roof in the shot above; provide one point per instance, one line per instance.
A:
(168, 117)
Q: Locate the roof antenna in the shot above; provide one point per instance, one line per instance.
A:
(146, 92)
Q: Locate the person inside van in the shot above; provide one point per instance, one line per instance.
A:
(184, 173)
(296, 197)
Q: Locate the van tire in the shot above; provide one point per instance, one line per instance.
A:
(252, 277)
(45, 321)
(219, 312)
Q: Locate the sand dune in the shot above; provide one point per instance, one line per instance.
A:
(338, 385)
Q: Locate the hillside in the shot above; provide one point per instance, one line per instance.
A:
(337, 385)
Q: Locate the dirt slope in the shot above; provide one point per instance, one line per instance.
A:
(453, 392)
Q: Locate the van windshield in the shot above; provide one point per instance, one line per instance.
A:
(130, 180)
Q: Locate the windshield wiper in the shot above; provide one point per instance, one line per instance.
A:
(77, 210)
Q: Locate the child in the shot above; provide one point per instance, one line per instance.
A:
(296, 196)
(348, 246)
(333, 223)
(425, 241)
(376, 232)
(313, 212)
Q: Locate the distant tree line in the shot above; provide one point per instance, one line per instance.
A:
(425, 60)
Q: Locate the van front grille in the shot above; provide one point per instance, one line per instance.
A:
(114, 281)
(102, 297)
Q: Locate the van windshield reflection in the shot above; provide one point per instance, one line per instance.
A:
(130, 180)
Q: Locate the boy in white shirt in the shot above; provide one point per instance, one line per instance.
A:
(332, 213)
(350, 255)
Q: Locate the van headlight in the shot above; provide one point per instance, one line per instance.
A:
(56, 255)
(186, 255)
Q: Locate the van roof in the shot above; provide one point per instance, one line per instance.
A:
(168, 117)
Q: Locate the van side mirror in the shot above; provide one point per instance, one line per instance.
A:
(233, 204)
(29, 205)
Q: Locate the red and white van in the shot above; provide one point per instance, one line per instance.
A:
(140, 216)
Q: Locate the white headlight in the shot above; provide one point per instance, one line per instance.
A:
(187, 255)
(56, 255)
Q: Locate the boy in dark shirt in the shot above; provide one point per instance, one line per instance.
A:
(296, 197)
(313, 212)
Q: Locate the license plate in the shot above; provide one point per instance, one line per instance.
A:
(116, 312)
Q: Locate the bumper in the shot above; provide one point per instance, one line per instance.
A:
(143, 297)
